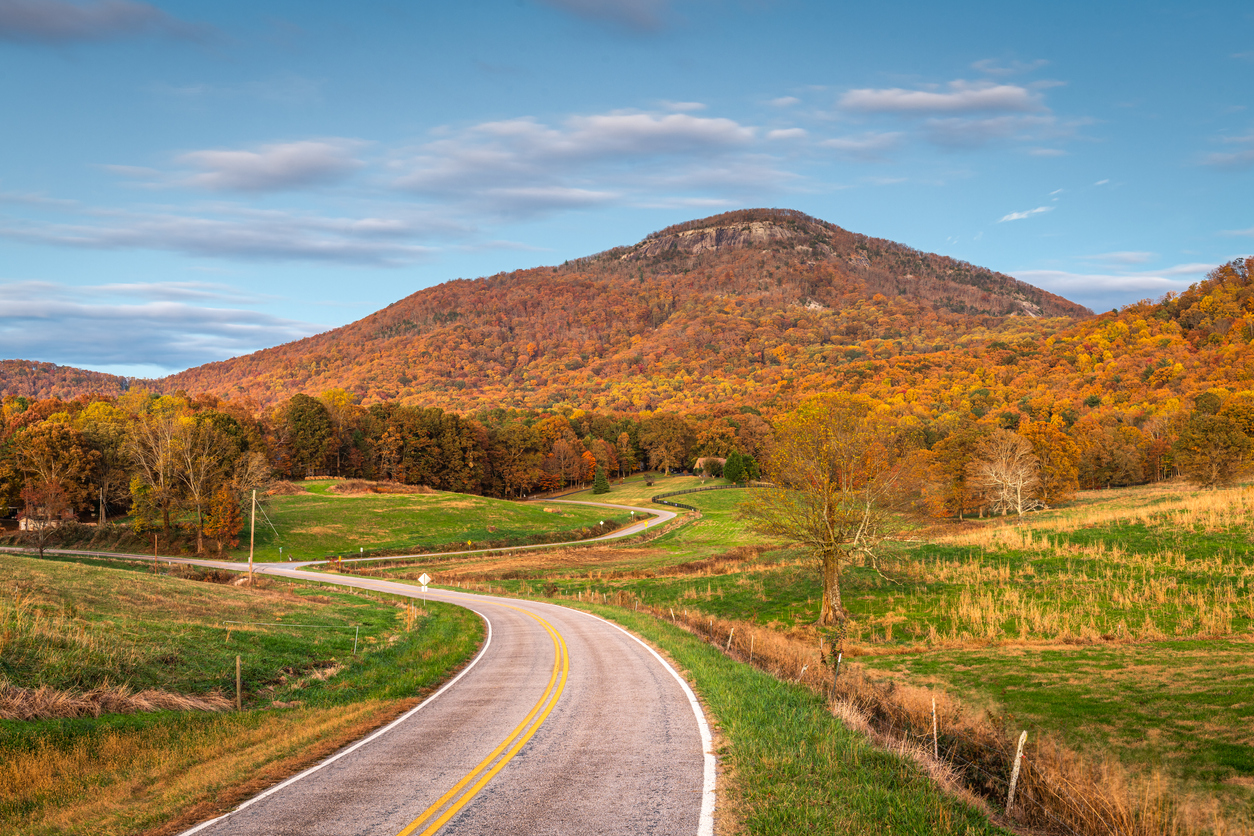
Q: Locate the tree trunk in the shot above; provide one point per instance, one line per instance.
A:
(832, 611)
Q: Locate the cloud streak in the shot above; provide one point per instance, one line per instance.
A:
(525, 166)
(235, 232)
(58, 22)
(79, 326)
(959, 97)
(1018, 216)
(290, 165)
(1103, 291)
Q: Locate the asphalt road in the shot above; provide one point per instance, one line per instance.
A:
(564, 724)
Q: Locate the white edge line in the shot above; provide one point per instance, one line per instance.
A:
(359, 743)
(705, 826)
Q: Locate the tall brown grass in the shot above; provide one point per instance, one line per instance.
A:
(18, 703)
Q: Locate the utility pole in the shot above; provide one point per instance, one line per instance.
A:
(252, 537)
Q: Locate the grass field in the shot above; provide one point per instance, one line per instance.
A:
(789, 767)
(1122, 625)
(317, 524)
(78, 626)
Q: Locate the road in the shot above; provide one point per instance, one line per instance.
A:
(562, 724)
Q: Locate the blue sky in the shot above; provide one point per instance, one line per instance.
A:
(182, 182)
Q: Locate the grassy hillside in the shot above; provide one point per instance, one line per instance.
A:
(317, 524)
(76, 629)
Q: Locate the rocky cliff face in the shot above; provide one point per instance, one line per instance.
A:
(744, 234)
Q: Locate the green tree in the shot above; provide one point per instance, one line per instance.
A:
(600, 484)
(839, 474)
(1212, 450)
(734, 467)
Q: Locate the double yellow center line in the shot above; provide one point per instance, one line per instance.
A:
(466, 789)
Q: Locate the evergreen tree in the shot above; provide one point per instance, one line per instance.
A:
(734, 468)
(600, 484)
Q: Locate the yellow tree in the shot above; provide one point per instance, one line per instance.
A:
(1059, 459)
(840, 472)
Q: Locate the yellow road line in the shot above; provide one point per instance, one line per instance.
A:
(518, 737)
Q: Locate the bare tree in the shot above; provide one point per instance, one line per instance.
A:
(1007, 473)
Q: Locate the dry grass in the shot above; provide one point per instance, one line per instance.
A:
(18, 703)
(363, 487)
(1198, 510)
(176, 774)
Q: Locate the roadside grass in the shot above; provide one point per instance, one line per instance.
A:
(788, 766)
(1186, 707)
(305, 694)
(317, 525)
(1123, 626)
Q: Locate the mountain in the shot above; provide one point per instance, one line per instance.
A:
(48, 380)
(733, 309)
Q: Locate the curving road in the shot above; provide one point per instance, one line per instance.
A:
(563, 724)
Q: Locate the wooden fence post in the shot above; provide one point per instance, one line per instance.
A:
(1014, 775)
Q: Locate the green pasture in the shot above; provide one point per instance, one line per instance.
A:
(319, 524)
(789, 767)
(1129, 637)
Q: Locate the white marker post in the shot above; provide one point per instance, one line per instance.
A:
(424, 579)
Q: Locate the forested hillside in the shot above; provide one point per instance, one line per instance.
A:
(746, 307)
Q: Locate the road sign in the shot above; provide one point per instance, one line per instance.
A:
(424, 579)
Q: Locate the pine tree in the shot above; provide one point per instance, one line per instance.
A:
(734, 468)
(600, 484)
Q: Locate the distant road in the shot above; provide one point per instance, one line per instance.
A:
(562, 724)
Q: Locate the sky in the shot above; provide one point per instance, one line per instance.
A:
(184, 182)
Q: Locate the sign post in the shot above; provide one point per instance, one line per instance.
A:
(424, 579)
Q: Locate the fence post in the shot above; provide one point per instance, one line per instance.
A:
(239, 703)
(729, 638)
(935, 738)
(1014, 775)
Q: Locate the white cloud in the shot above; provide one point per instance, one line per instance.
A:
(57, 21)
(784, 101)
(498, 166)
(959, 97)
(1102, 182)
(1104, 291)
(958, 132)
(683, 107)
(79, 326)
(1018, 216)
(867, 146)
(787, 133)
(1242, 157)
(1047, 152)
(1123, 257)
(235, 232)
(272, 167)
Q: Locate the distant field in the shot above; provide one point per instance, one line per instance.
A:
(316, 525)
(74, 626)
